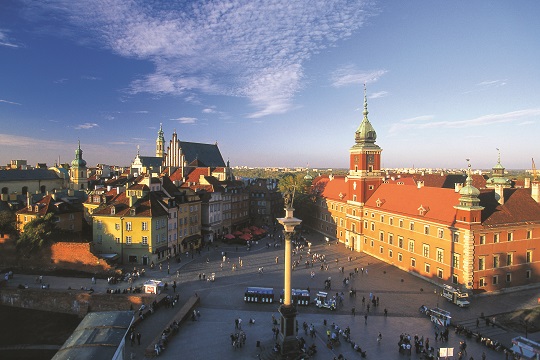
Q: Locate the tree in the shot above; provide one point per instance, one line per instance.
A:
(301, 185)
(7, 222)
(38, 233)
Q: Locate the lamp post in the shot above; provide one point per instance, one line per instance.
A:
(287, 310)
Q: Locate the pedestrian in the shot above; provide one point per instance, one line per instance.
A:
(483, 355)
(93, 280)
(236, 323)
(174, 286)
(353, 311)
(385, 312)
(168, 269)
(365, 319)
(477, 322)
(379, 338)
(139, 338)
(132, 337)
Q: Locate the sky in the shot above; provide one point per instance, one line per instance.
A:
(274, 83)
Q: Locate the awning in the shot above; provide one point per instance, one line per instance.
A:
(161, 248)
(191, 239)
(113, 256)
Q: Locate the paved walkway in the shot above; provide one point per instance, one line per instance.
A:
(222, 302)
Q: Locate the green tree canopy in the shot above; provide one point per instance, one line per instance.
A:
(38, 233)
(7, 222)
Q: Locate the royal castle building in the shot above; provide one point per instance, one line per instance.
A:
(483, 238)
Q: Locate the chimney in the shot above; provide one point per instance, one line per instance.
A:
(132, 200)
(499, 194)
(458, 187)
(526, 183)
(535, 190)
(420, 184)
(28, 199)
(109, 187)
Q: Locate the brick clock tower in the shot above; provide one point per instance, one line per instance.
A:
(365, 161)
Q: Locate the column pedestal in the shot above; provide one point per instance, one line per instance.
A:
(287, 338)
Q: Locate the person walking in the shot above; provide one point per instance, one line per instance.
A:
(353, 311)
(365, 318)
(138, 338)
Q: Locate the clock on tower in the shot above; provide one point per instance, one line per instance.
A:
(370, 158)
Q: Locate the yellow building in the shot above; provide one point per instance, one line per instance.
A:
(132, 227)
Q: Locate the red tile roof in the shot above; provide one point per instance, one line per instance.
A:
(518, 208)
(406, 200)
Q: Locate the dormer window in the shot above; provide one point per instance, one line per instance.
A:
(423, 210)
(36, 208)
(113, 210)
(132, 212)
(379, 202)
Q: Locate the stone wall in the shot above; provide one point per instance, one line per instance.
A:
(72, 302)
(77, 256)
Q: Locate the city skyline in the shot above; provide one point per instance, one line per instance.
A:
(277, 84)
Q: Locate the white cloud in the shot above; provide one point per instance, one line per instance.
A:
(9, 102)
(379, 94)
(422, 122)
(209, 111)
(349, 75)
(87, 77)
(86, 126)
(5, 40)
(186, 120)
(254, 49)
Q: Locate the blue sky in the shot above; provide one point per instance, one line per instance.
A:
(275, 83)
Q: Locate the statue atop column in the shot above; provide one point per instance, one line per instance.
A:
(288, 198)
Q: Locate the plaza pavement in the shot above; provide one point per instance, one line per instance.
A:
(222, 302)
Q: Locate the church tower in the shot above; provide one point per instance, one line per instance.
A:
(160, 143)
(469, 209)
(365, 161)
(79, 178)
(498, 180)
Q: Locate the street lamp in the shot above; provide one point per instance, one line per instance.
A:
(287, 310)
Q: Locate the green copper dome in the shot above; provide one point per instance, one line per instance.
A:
(365, 135)
(78, 161)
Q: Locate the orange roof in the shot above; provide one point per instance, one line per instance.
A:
(331, 189)
(195, 175)
(406, 200)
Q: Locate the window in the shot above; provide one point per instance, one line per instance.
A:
(482, 282)
(365, 224)
(157, 225)
(529, 234)
(372, 226)
(482, 239)
(495, 238)
(117, 226)
(354, 198)
(508, 277)
(400, 223)
(381, 249)
(455, 261)
(455, 237)
(391, 239)
(372, 243)
(440, 233)
(426, 229)
(411, 226)
(413, 262)
(439, 273)
(528, 274)
(391, 221)
(99, 239)
(425, 250)
(528, 257)
(372, 215)
(381, 236)
(495, 280)
(411, 246)
(427, 268)
(481, 263)
(495, 261)
(382, 218)
(509, 259)
(400, 242)
(144, 225)
(128, 240)
(454, 279)
(144, 240)
(390, 253)
(99, 224)
(510, 236)
(440, 255)
(400, 257)
(128, 226)
(117, 240)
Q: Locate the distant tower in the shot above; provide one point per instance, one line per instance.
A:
(498, 181)
(469, 209)
(160, 143)
(365, 161)
(79, 178)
